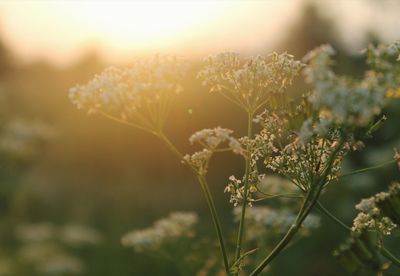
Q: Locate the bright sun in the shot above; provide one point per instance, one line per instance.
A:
(143, 23)
(62, 30)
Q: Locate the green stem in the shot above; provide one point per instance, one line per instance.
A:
(209, 199)
(246, 188)
(309, 202)
(384, 164)
(216, 221)
(279, 196)
(390, 256)
(301, 216)
(331, 216)
(385, 252)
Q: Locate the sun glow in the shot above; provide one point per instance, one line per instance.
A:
(62, 31)
(143, 23)
(111, 26)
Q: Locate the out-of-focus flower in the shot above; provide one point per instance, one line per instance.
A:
(36, 233)
(176, 225)
(140, 95)
(50, 259)
(261, 221)
(7, 266)
(77, 235)
(342, 100)
(61, 265)
(274, 185)
(22, 140)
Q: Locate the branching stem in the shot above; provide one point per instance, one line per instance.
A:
(209, 198)
(245, 188)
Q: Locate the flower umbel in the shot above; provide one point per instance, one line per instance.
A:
(141, 94)
(252, 82)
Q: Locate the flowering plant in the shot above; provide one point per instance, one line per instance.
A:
(303, 140)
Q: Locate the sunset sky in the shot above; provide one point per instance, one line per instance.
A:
(62, 31)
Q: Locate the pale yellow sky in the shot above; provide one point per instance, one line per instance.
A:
(62, 31)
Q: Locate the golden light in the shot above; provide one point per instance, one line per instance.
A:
(61, 30)
(142, 23)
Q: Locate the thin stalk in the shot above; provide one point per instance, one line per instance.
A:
(385, 252)
(331, 216)
(217, 223)
(245, 190)
(209, 199)
(301, 216)
(278, 196)
(384, 164)
(309, 202)
(390, 256)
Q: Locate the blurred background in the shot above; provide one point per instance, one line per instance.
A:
(93, 180)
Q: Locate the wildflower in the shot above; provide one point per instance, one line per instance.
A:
(341, 100)
(368, 206)
(250, 83)
(261, 220)
(77, 235)
(199, 160)
(377, 213)
(50, 259)
(36, 233)
(273, 185)
(236, 189)
(362, 222)
(176, 225)
(141, 94)
(301, 162)
(211, 140)
(22, 140)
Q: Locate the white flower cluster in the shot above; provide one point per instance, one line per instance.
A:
(236, 189)
(251, 82)
(275, 185)
(284, 153)
(73, 234)
(44, 246)
(211, 140)
(199, 160)
(50, 259)
(384, 60)
(166, 230)
(339, 99)
(21, 139)
(378, 213)
(140, 94)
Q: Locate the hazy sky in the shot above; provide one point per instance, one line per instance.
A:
(62, 31)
